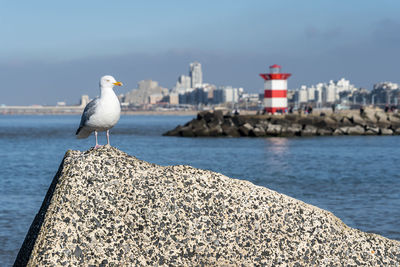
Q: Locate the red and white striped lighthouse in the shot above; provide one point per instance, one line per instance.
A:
(275, 93)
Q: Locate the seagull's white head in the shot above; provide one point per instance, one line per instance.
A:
(108, 81)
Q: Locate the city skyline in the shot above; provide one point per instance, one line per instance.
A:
(58, 51)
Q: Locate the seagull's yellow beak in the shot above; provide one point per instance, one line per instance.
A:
(118, 83)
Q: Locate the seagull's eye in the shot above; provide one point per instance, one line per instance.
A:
(107, 80)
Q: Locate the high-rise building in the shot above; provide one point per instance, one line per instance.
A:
(84, 100)
(196, 74)
(183, 83)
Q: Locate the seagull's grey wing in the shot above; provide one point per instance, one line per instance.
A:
(88, 112)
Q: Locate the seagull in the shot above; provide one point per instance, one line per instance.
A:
(102, 113)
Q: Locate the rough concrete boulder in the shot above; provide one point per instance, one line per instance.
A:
(245, 129)
(385, 131)
(369, 115)
(218, 115)
(397, 131)
(345, 121)
(215, 130)
(205, 115)
(323, 132)
(293, 130)
(336, 117)
(186, 131)
(320, 122)
(382, 120)
(106, 208)
(340, 131)
(309, 130)
(358, 120)
(227, 121)
(238, 120)
(198, 124)
(257, 132)
(330, 122)
(381, 115)
(201, 132)
(230, 131)
(372, 131)
(356, 130)
(263, 124)
(273, 130)
(394, 121)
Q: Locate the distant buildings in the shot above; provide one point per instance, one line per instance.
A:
(191, 91)
(183, 83)
(342, 92)
(387, 93)
(227, 94)
(148, 92)
(322, 94)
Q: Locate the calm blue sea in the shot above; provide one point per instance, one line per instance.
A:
(356, 178)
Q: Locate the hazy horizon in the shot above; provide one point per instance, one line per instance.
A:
(56, 51)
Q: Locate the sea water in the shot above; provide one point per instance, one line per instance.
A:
(355, 177)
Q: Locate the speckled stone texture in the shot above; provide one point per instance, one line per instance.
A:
(106, 208)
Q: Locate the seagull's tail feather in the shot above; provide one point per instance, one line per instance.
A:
(83, 132)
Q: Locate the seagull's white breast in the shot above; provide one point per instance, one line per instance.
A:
(107, 113)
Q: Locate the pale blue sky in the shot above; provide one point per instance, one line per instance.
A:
(53, 51)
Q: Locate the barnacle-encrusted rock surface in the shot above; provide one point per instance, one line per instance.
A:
(106, 208)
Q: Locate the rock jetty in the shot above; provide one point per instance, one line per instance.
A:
(371, 122)
(106, 208)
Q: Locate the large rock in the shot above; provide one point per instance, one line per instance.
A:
(358, 120)
(186, 131)
(273, 130)
(106, 208)
(309, 130)
(201, 132)
(230, 131)
(372, 131)
(209, 116)
(324, 132)
(346, 122)
(394, 120)
(245, 129)
(257, 131)
(386, 131)
(356, 130)
(369, 115)
(330, 122)
(293, 130)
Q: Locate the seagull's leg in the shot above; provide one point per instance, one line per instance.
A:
(108, 138)
(97, 144)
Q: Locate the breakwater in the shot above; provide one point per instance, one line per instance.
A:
(354, 122)
(107, 208)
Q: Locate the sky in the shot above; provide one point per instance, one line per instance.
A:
(57, 50)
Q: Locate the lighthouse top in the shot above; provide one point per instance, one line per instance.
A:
(275, 73)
